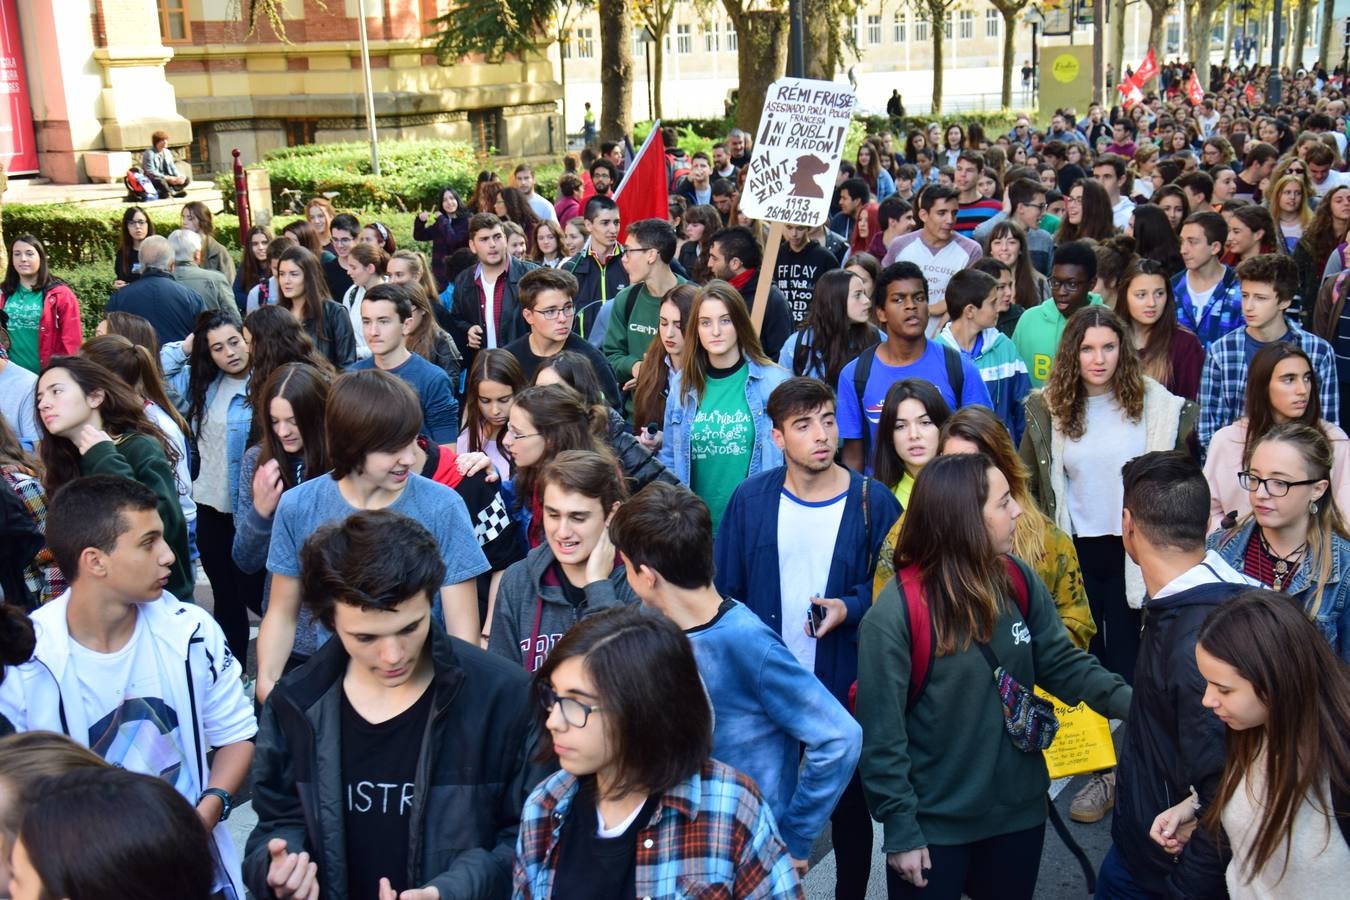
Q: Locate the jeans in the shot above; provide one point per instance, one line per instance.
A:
(1114, 881)
(1003, 867)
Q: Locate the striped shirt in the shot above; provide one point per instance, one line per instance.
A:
(975, 213)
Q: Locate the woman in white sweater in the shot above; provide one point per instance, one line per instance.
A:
(1285, 699)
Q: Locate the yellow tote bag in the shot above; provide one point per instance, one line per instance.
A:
(1083, 742)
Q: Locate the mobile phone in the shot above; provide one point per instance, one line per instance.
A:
(815, 617)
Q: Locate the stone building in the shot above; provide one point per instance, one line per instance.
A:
(102, 75)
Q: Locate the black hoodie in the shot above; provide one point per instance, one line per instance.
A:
(1171, 743)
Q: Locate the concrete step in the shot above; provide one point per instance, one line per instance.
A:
(103, 196)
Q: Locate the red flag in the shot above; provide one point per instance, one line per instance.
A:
(1194, 92)
(1133, 96)
(1250, 92)
(1147, 69)
(644, 192)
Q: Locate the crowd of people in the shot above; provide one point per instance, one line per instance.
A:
(573, 582)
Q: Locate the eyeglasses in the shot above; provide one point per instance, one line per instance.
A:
(1275, 487)
(574, 712)
(1074, 200)
(1073, 285)
(628, 249)
(1034, 205)
(554, 311)
(517, 436)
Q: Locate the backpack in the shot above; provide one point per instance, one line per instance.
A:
(139, 186)
(956, 377)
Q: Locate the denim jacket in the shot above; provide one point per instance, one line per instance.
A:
(238, 420)
(681, 410)
(1331, 614)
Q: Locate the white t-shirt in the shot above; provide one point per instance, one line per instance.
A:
(938, 265)
(489, 311)
(131, 725)
(1121, 212)
(212, 487)
(1092, 465)
(1334, 179)
(806, 536)
(1199, 299)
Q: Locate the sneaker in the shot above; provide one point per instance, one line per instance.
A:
(1095, 799)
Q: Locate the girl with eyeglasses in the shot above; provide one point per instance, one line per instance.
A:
(1284, 701)
(136, 227)
(1087, 213)
(1281, 388)
(1294, 539)
(635, 762)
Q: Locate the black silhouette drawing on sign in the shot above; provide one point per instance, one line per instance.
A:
(809, 168)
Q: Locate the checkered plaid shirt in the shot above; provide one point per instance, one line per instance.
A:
(1221, 314)
(43, 577)
(711, 836)
(1223, 380)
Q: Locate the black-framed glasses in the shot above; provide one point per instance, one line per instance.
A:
(1275, 487)
(554, 311)
(628, 249)
(574, 712)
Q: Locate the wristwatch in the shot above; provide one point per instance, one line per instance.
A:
(226, 801)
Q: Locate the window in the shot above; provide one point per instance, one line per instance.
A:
(991, 22)
(874, 29)
(854, 26)
(174, 27)
(637, 43)
(947, 26)
(684, 39)
(712, 41)
(921, 29)
(967, 30)
(585, 43)
(900, 28)
(485, 129)
(731, 36)
(565, 47)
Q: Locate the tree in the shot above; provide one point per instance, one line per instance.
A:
(936, 13)
(514, 27)
(1324, 41)
(1116, 65)
(1299, 39)
(1010, 9)
(827, 41)
(1200, 15)
(616, 70)
(1157, 17)
(655, 17)
(761, 55)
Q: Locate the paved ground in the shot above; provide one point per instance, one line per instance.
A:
(1061, 877)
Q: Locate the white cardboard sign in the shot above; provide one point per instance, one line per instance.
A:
(797, 151)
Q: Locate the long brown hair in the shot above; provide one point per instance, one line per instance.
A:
(306, 389)
(122, 413)
(943, 533)
(275, 338)
(834, 337)
(1097, 222)
(1025, 292)
(1066, 395)
(421, 272)
(135, 365)
(704, 214)
(564, 421)
(253, 271)
(1259, 413)
(1155, 358)
(495, 365)
(649, 394)
(981, 427)
(694, 367)
(1321, 234)
(1306, 737)
(315, 289)
(428, 333)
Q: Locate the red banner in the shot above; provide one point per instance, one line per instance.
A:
(1194, 92)
(1249, 92)
(645, 187)
(18, 150)
(1147, 69)
(1133, 96)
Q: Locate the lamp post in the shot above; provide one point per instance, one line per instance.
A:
(1273, 83)
(370, 91)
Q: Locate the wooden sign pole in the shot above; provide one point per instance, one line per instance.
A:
(767, 271)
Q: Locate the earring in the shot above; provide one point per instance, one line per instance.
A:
(1312, 507)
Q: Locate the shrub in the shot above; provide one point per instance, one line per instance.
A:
(92, 283)
(77, 235)
(412, 173)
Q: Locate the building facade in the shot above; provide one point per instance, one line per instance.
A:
(104, 74)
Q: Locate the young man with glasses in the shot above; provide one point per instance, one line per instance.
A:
(648, 251)
(396, 763)
(774, 720)
(1039, 329)
(342, 231)
(547, 301)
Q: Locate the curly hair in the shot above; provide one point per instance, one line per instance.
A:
(1066, 395)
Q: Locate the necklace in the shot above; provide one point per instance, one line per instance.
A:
(1284, 566)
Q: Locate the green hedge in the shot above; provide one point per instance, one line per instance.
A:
(77, 235)
(412, 173)
(92, 283)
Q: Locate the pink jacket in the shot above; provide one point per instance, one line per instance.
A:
(59, 331)
(1225, 461)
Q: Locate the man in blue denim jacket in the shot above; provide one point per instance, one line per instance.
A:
(766, 707)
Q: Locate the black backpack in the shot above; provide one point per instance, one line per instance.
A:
(956, 377)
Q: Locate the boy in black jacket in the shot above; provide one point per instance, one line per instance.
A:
(1172, 742)
(395, 762)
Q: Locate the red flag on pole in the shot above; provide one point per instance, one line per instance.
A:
(1147, 69)
(1194, 92)
(1133, 96)
(645, 190)
(1250, 92)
